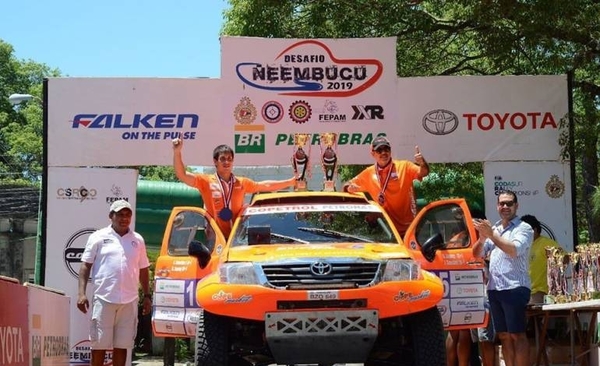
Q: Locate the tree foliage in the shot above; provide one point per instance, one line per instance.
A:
(21, 125)
(157, 173)
(464, 37)
(461, 37)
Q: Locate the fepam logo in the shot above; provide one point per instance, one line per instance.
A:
(309, 68)
(74, 250)
(249, 143)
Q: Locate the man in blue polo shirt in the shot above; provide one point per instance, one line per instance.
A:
(508, 242)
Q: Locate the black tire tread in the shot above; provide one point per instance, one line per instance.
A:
(429, 343)
(212, 340)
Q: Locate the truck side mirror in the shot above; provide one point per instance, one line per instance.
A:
(199, 251)
(430, 246)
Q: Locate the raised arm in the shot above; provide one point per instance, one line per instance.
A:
(511, 247)
(182, 174)
(275, 185)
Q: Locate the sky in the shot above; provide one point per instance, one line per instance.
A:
(112, 38)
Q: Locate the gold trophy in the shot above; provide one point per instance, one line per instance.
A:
(328, 144)
(301, 159)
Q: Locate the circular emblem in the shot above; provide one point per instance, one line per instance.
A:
(320, 268)
(555, 188)
(74, 250)
(440, 122)
(300, 111)
(245, 112)
(272, 111)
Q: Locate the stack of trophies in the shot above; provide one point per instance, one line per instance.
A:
(573, 276)
(301, 161)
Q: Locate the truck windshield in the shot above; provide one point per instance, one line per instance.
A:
(313, 224)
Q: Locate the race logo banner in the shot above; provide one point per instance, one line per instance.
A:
(91, 118)
(273, 88)
(491, 118)
(279, 87)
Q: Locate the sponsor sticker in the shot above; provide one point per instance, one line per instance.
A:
(174, 286)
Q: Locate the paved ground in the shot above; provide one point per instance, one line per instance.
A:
(155, 361)
(158, 361)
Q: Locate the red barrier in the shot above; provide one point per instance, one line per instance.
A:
(14, 325)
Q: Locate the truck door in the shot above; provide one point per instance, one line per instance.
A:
(463, 304)
(176, 276)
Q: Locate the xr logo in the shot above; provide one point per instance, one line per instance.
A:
(367, 112)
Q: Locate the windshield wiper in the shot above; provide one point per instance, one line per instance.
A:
(289, 238)
(334, 234)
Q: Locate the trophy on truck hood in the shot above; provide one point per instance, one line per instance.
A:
(328, 145)
(301, 159)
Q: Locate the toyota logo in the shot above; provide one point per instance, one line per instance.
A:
(320, 268)
(440, 122)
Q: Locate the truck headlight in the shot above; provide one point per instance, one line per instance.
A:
(238, 273)
(402, 270)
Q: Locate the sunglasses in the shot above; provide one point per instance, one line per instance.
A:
(381, 150)
(225, 159)
(506, 203)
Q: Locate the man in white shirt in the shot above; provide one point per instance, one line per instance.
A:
(116, 257)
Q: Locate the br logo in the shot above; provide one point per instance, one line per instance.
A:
(249, 143)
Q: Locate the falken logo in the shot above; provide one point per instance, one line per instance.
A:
(138, 120)
(309, 68)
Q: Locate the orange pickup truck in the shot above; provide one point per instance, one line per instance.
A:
(318, 278)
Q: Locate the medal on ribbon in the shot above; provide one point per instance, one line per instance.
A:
(381, 197)
(226, 214)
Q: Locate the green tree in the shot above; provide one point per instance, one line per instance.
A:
(162, 173)
(21, 125)
(464, 37)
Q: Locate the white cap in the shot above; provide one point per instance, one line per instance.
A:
(119, 205)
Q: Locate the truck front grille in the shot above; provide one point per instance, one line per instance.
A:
(298, 275)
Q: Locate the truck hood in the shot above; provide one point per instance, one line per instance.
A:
(269, 253)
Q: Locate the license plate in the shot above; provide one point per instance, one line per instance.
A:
(323, 295)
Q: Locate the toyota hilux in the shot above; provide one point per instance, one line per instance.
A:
(318, 278)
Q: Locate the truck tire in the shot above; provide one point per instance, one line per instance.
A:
(212, 340)
(426, 345)
(429, 343)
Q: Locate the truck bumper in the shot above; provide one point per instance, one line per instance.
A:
(321, 336)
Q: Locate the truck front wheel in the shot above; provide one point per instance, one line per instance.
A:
(212, 340)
